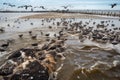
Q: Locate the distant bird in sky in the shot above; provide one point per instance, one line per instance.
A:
(36, 7)
(8, 4)
(113, 5)
(42, 7)
(26, 6)
(11, 5)
(5, 3)
(65, 7)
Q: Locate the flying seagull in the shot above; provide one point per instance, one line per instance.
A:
(5, 3)
(26, 6)
(8, 4)
(42, 7)
(11, 5)
(36, 7)
(113, 5)
(65, 7)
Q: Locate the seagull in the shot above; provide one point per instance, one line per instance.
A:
(36, 7)
(42, 7)
(65, 7)
(113, 5)
(11, 5)
(5, 3)
(26, 6)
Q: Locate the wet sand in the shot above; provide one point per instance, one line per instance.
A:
(76, 59)
(64, 15)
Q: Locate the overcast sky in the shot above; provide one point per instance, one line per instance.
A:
(56, 4)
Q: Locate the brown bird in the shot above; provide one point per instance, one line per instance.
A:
(2, 30)
(34, 44)
(47, 35)
(30, 32)
(34, 37)
(114, 42)
(21, 35)
(5, 45)
(2, 50)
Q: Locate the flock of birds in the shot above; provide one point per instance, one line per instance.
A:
(104, 35)
(24, 6)
(41, 59)
(30, 6)
(42, 7)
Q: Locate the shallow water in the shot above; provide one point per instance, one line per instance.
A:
(84, 65)
(95, 62)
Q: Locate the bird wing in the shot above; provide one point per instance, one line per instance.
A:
(36, 7)
(42, 7)
(26, 7)
(5, 3)
(20, 6)
(113, 5)
(29, 6)
(66, 6)
(11, 5)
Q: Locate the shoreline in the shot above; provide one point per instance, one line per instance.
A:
(67, 15)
